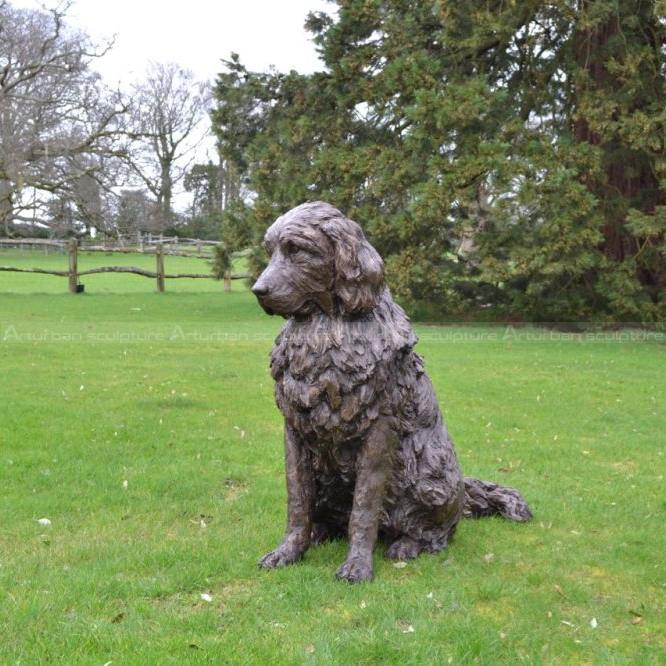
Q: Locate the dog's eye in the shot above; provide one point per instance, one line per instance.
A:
(291, 249)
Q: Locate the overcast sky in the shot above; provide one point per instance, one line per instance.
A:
(196, 34)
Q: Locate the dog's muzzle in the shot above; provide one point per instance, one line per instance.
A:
(261, 292)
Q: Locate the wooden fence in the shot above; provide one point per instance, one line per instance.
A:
(73, 274)
(133, 243)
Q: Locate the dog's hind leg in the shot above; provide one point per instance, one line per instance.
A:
(404, 548)
(323, 532)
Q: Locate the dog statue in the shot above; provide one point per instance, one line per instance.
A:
(367, 452)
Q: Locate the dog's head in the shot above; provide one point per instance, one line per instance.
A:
(320, 260)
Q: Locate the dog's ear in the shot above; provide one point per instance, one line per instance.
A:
(359, 271)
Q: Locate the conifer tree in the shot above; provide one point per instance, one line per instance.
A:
(498, 153)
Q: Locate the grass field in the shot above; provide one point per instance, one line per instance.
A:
(142, 478)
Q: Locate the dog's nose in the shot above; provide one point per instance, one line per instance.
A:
(259, 289)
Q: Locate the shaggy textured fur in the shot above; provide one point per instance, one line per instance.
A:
(366, 448)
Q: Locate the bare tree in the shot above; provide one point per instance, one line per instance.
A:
(168, 122)
(135, 213)
(58, 123)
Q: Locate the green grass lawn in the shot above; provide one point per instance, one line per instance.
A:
(157, 460)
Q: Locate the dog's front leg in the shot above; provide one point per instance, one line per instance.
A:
(300, 498)
(372, 471)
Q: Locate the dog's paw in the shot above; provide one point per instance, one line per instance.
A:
(403, 549)
(280, 557)
(355, 570)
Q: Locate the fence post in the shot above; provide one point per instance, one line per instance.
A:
(159, 254)
(73, 268)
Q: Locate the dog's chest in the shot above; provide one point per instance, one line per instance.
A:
(330, 387)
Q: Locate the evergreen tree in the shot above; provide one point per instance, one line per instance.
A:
(502, 153)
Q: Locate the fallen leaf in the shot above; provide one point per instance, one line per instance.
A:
(559, 590)
(636, 620)
(118, 618)
(489, 557)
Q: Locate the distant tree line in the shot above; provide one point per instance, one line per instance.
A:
(77, 157)
(501, 155)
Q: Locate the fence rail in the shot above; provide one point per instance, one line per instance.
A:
(159, 274)
(141, 244)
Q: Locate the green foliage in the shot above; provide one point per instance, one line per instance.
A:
(221, 261)
(496, 153)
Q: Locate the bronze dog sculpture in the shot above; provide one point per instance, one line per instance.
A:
(366, 449)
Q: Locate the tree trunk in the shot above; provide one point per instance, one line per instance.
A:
(628, 179)
(6, 206)
(166, 194)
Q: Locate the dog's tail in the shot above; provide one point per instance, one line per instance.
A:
(485, 498)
